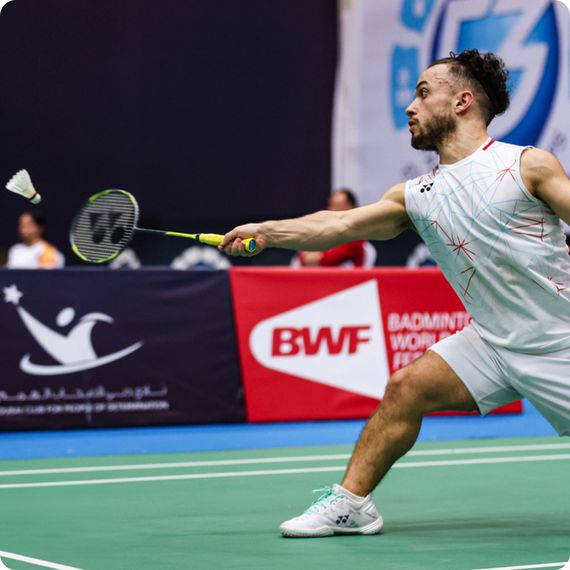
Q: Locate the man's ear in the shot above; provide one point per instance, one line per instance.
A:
(463, 101)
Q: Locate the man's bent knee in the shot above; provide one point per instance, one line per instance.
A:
(429, 384)
(404, 392)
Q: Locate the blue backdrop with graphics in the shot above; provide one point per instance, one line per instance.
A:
(387, 46)
(491, 29)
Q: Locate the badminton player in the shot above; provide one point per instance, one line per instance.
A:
(490, 215)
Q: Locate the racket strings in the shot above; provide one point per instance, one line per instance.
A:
(105, 226)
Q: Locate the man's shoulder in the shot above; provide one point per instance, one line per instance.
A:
(535, 157)
(498, 146)
(538, 166)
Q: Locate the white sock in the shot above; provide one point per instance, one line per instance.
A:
(351, 496)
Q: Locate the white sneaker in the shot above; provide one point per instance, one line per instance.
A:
(337, 511)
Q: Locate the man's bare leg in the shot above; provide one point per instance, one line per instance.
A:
(426, 385)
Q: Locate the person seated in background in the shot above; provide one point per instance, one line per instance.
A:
(34, 252)
(353, 254)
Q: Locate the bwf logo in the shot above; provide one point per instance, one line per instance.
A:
(290, 341)
(337, 340)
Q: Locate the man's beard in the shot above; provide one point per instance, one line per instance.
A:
(433, 133)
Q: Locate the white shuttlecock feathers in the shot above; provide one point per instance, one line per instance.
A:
(21, 184)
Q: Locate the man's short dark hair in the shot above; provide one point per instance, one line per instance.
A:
(350, 196)
(487, 75)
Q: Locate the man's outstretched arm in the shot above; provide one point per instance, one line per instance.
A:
(324, 230)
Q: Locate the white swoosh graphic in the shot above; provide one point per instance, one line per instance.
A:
(26, 365)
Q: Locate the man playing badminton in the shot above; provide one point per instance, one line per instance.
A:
(490, 214)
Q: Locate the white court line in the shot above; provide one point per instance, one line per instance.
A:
(558, 565)
(493, 449)
(483, 461)
(283, 459)
(521, 459)
(213, 463)
(36, 561)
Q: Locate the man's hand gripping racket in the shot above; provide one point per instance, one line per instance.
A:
(236, 242)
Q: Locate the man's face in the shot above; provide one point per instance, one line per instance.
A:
(431, 117)
(29, 231)
(338, 202)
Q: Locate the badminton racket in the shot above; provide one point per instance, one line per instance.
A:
(107, 222)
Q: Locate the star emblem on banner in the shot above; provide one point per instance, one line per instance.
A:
(12, 294)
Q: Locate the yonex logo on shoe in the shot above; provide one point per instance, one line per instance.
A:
(342, 519)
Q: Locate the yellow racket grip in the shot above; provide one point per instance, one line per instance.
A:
(216, 239)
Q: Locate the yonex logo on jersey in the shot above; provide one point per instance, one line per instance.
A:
(426, 187)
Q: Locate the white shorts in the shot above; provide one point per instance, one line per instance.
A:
(496, 376)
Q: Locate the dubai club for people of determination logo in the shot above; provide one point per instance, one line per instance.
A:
(73, 350)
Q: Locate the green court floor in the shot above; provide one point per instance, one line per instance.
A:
(459, 506)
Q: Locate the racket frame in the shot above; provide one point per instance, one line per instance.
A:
(90, 200)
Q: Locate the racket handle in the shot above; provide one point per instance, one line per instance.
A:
(208, 239)
(216, 239)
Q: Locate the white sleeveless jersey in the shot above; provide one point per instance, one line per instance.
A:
(501, 249)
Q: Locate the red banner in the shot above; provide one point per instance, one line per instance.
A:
(321, 343)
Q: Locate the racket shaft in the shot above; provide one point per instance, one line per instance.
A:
(208, 239)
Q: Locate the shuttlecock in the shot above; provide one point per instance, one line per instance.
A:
(21, 183)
